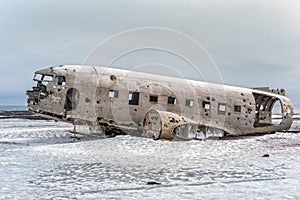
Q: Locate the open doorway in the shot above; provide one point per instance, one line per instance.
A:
(276, 113)
(72, 99)
(268, 110)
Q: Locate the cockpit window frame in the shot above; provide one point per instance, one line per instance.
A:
(45, 78)
(41, 77)
(36, 78)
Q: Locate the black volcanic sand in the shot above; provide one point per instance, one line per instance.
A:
(21, 114)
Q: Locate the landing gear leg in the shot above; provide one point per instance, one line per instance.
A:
(74, 131)
(75, 134)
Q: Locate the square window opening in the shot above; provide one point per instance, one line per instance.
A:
(61, 80)
(133, 98)
(237, 108)
(113, 94)
(153, 98)
(222, 108)
(189, 102)
(171, 100)
(206, 105)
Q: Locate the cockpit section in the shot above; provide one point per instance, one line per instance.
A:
(42, 82)
(39, 91)
(47, 94)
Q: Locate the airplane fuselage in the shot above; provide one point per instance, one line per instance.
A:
(160, 107)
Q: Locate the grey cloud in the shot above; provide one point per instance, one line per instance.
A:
(253, 42)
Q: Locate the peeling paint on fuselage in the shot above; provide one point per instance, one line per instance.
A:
(117, 101)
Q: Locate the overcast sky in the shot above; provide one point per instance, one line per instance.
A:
(252, 42)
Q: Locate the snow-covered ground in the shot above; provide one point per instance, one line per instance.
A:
(38, 159)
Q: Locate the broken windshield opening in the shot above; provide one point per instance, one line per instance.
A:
(47, 78)
(42, 83)
(42, 79)
(38, 77)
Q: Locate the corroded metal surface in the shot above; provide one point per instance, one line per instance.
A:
(167, 125)
(117, 101)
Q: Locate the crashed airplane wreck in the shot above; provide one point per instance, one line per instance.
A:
(114, 101)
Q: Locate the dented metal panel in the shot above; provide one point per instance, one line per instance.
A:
(121, 101)
(166, 125)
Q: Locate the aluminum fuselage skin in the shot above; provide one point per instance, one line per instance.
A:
(88, 94)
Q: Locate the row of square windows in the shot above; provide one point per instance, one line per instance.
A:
(133, 98)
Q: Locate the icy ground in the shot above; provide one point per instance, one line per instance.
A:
(39, 160)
